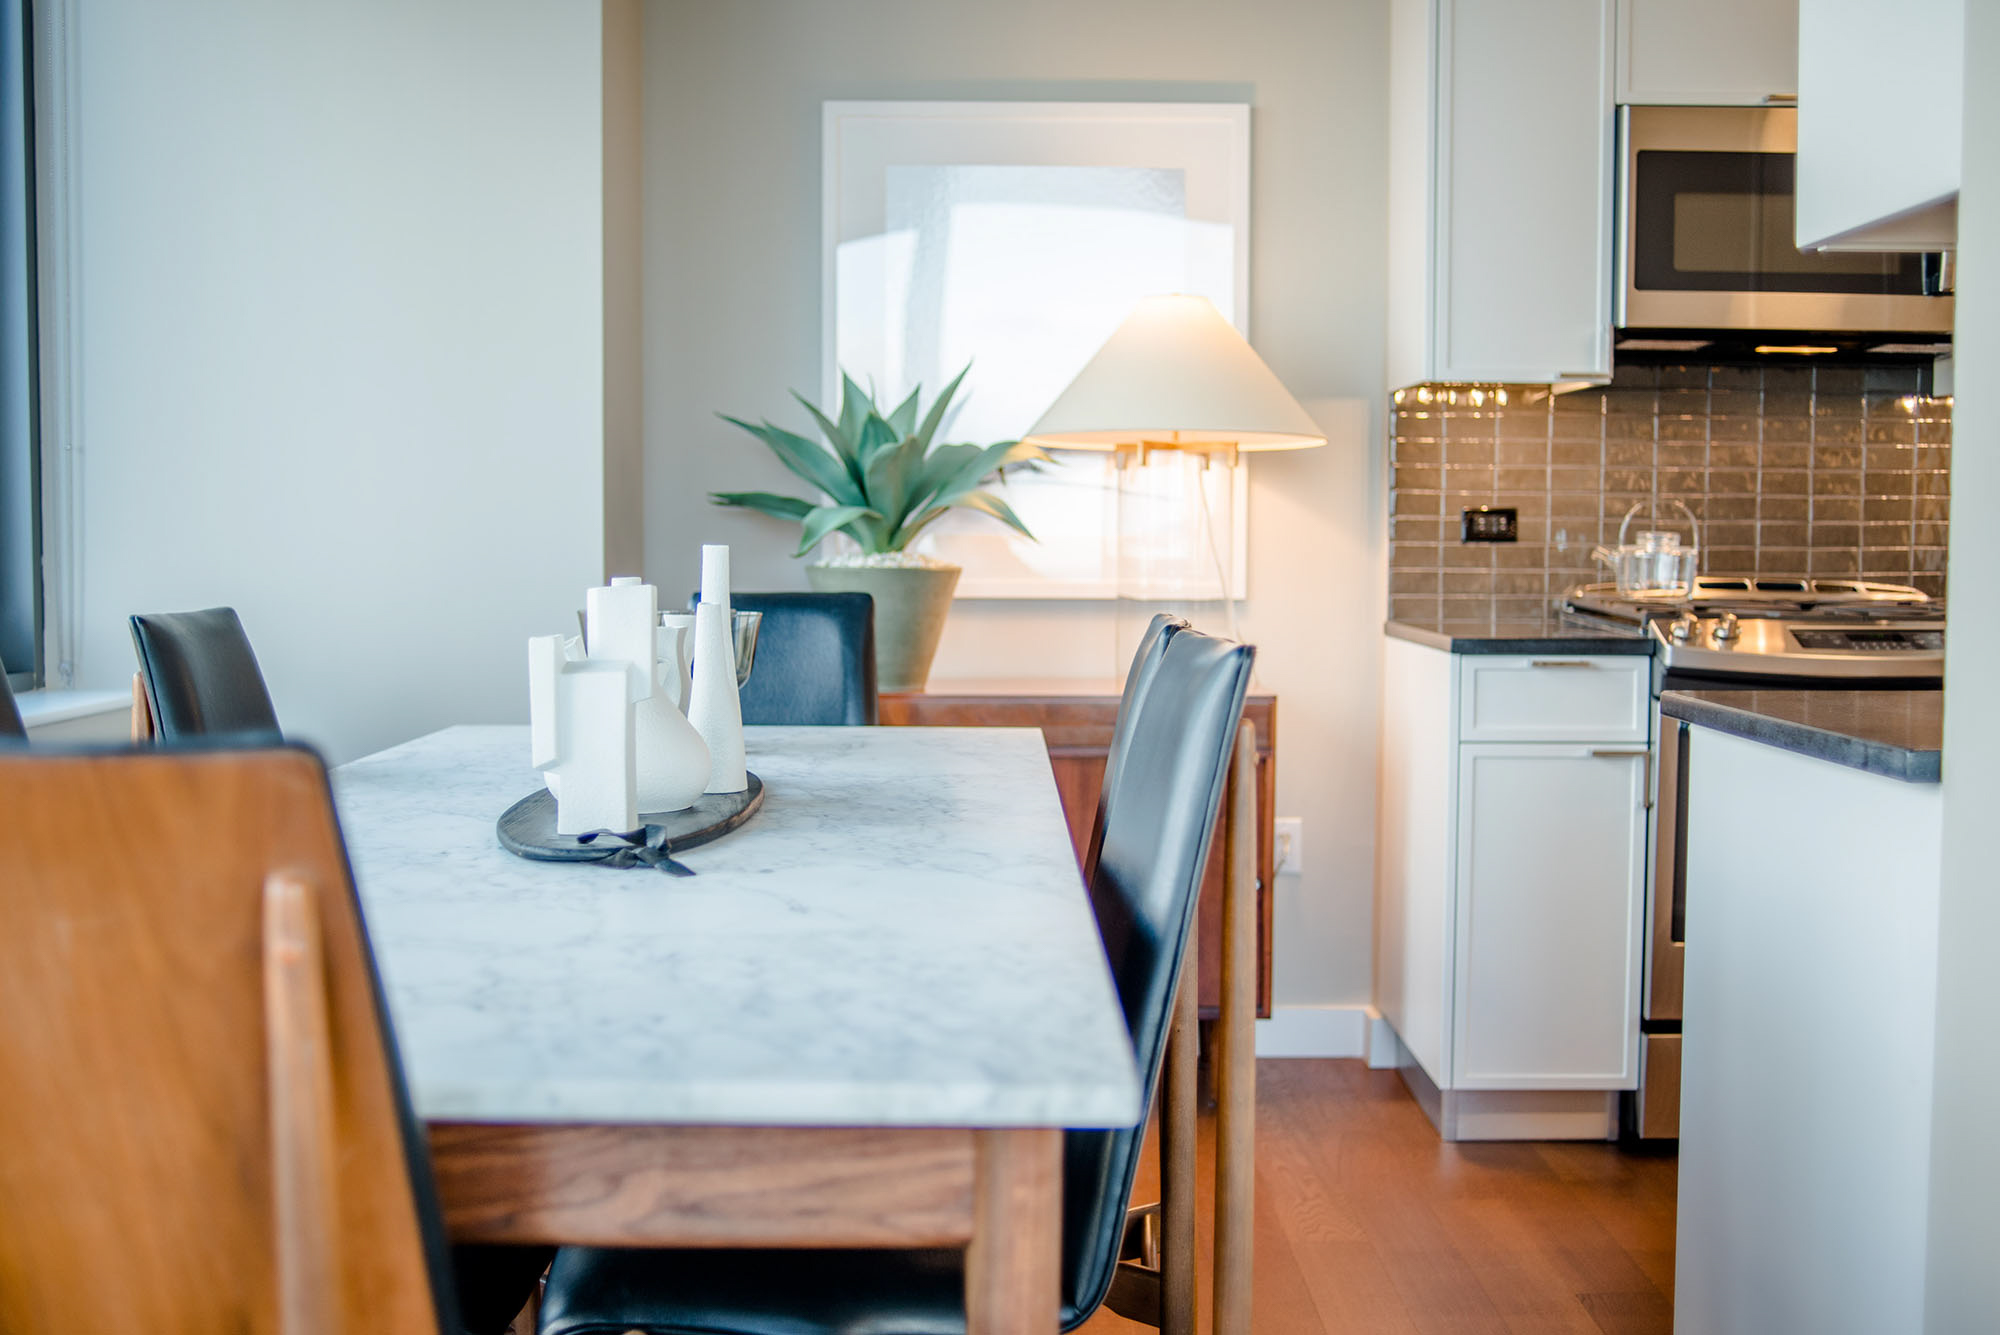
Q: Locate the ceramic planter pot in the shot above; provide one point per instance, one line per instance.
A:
(910, 607)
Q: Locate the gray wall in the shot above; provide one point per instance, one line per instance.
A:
(337, 332)
(1964, 1288)
(733, 95)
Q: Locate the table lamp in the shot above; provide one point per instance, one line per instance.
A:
(1177, 377)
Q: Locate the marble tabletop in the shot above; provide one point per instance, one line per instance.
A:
(899, 937)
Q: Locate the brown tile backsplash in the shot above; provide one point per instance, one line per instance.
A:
(1791, 470)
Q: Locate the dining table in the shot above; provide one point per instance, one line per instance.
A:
(865, 1019)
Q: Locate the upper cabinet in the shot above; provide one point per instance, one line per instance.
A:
(1881, 112)
(1500, 175)
(1708, 53)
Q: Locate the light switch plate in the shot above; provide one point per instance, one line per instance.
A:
(1289, 855)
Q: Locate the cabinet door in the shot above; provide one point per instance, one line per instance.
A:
(1551, 893)
(1523, 190)
(1708, 53)
(1881, 124)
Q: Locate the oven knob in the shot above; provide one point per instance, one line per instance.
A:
(1726, 628)
(1682, 626)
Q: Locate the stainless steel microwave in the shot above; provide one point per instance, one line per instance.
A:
(1706, 242)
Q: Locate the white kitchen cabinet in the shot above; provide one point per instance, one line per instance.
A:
(1500, 162)
(1551, 890)
(1510, 885)
(1811, 1027)
(1708, 53)
(1881, 124)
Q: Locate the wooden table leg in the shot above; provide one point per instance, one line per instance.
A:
(1177, 1157)
(1013, 1267)
(1236, 1055)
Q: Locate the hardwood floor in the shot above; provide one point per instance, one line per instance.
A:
(1367, 1222)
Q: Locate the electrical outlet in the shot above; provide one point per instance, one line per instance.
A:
(1289, 855)
(1489, 523)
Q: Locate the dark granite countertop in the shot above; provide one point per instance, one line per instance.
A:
(1552, 633)
(1898, 734)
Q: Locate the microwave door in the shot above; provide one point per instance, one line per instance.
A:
(1708, 239)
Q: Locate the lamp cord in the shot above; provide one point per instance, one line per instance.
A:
(1215, 552)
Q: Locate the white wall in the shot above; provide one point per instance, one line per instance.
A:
(339, 342)
(1964, 1283)
(733, 95)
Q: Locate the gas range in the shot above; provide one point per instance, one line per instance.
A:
(1825, 631)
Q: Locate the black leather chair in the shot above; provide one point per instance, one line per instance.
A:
(1145, 663)
(202, 680)
(201, 677)
(1143, 890)
(11, 726)
(815, 658)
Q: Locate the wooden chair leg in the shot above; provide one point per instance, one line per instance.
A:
(1235, 1060)
(1177, 1157)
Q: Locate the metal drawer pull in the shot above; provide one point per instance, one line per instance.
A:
(1646, 784)
(1781, 99)
(1561, 663)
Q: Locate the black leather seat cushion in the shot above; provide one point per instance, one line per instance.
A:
(201, 677)
(815, 659)
(603, 1291)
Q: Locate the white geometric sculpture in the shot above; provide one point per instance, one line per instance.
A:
(611, 754)
(713, 706)
(581, 733)
(621, 621)
(676, 654)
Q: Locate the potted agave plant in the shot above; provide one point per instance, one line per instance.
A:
(884, 483)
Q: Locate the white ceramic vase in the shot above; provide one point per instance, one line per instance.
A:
(672, 759)
(713, 706)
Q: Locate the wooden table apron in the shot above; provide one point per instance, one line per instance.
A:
(563, 1174)
(997, 1192)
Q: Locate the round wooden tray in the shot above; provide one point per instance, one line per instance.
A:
(528, 829)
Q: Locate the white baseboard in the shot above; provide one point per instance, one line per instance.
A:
(1314, 1031)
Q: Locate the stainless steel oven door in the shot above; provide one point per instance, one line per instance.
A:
(1706, 238)
(1653, 1111)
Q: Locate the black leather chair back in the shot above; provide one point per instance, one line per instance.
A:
(815, 658)
(1163, 627)
(201, 677)
(1157, 829)
(10, 713)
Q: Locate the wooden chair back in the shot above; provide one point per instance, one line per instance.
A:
(201, 1107)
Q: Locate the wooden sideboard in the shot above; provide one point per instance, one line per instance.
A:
(1076, 719)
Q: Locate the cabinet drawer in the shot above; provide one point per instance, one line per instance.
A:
(1554, 698)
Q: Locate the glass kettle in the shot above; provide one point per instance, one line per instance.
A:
(1659, 567)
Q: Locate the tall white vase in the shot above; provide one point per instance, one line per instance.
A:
(713, 707)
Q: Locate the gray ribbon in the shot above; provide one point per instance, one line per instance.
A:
(645, 847)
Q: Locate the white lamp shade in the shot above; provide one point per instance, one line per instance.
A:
(1176, 373)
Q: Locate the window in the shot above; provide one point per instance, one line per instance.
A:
(20, 473)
